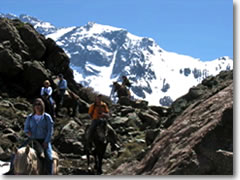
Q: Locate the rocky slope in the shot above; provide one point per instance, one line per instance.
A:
(199, 139)
(193, 136)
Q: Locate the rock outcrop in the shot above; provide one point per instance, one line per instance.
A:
(28, 58)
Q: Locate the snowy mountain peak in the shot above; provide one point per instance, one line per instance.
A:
(101, 54)
(9, 15)
(41, 26)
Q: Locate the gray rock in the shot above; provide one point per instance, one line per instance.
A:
(150, 136)
(10, 63)
(34, 74)
(21, 106)
(148, 120)
(32, 39)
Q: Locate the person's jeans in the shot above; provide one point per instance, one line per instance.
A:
(62, 92)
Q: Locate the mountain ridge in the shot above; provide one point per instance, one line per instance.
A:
(101, 54)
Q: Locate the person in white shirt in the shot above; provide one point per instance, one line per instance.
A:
(46, 94)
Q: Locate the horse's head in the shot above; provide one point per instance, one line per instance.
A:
(116, 86)
(25, 161)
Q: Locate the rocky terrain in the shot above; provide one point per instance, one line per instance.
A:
(192, 136)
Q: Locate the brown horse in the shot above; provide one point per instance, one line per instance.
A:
(71, 102)
(121, 90)
(26, 162)
(50, 108)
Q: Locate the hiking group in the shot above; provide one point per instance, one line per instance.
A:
(39, 128)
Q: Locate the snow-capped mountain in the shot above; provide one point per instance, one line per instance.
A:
(41, 26)
(101, 54)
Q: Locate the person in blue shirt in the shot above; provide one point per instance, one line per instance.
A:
(62, 87)
(39, 126)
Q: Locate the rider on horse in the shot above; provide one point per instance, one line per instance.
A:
(46, 94)
(98, 112)
(39, 126)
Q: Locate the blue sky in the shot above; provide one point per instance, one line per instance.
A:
(198, 28)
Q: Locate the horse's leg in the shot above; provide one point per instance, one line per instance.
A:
(88, 159)
(75, 109)
(51, 110)
(96, 160)
(69, 111)
(87, 149)
(100, 158)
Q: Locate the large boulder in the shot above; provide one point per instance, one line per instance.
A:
(70, 138)
(8, 32)
(33, 76)
(31, 38)
(10, 63)
(56, 59)
(149, 119)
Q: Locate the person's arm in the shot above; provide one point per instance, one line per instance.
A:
(106, 109)
(27, 127)
(105, 112)
(65, 84)
(50, 91)
(42, 91)
(90, 111)
(49, 128)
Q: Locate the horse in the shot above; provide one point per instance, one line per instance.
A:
(97, 147)
(50, 108)
(27, 162)
(71, 102)
(121, 90)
